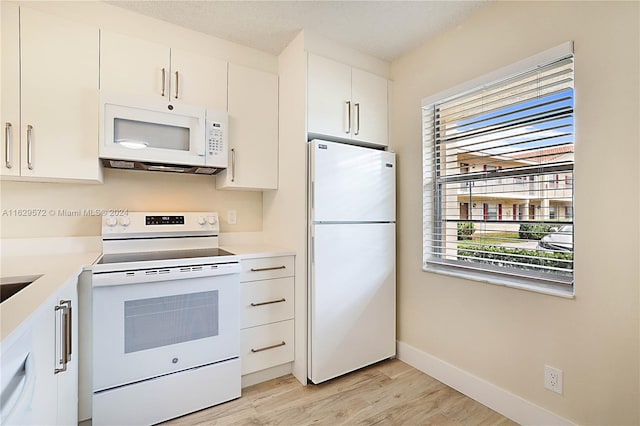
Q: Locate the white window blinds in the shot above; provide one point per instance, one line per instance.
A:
(498, 177)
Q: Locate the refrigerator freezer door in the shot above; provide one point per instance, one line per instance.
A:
(351, 183)
(352, 298)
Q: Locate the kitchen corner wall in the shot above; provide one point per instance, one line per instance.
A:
(70, 209)
(66, 204)
(502, 335)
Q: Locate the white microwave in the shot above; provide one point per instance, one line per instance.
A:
(146, 134)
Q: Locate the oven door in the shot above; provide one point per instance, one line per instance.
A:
(145, 330)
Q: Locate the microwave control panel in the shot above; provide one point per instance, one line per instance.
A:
(215, 137)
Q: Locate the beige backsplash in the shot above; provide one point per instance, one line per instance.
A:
(65, 209)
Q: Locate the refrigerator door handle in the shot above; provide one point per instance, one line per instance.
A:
(311, 195)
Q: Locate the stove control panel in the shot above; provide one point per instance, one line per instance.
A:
(148, 224)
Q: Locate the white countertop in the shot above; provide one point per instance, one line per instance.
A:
(253, 251)
(56, 270)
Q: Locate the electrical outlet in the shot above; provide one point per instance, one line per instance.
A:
(553, 379)
(232, 217)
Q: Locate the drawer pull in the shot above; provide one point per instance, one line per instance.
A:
(269, 302)
(271, 268)
(277, 345)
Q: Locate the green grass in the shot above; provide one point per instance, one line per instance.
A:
(495, 237)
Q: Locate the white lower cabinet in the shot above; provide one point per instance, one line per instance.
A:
(266, 346)
(55, 360)
(267, 313)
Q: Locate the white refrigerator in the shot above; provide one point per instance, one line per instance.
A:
(352, 251)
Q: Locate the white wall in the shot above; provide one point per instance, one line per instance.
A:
(129, 189)
(123, 189)
(504, 335)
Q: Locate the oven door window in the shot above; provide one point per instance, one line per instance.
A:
(161, 321)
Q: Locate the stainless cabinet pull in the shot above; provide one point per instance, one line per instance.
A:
(270, 268)
(164, 80)
(277, 345)
(357, 107)
(30, 146)
(233, 165)
(8, 148)
(348, 117)
(177, 85)
(269, 302)
(65, 334)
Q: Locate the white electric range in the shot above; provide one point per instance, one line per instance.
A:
(166, 320)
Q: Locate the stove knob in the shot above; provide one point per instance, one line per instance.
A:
(110, 221)
(202, 220)
(124, 221)
(212, 220)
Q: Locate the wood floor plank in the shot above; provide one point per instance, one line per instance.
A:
(387, 393)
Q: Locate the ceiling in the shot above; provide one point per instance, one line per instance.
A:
(383, 29)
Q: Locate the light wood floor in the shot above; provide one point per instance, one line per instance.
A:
(387, 393)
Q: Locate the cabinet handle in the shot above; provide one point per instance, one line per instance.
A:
(269, 302)
(8, 145)
(357, 107)
(233, 165)
(30, 146)
(277, 345)
(270, 268)
(348, 117)
(65, 334)
(177, 85)
(164, 80)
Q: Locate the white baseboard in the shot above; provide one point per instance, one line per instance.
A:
(498, 399)
(264, 375)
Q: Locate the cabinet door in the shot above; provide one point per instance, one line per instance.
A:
(253, 130)
(198, 80)
(133, 66)
(329, 98)
(10, 90)
(68, 380)
(370, 105)
(59, 104)
(44, 404)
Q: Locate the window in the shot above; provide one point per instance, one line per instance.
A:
(516, 135)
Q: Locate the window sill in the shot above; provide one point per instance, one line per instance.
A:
(551, 290)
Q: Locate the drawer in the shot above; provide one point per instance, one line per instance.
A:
(265, 268)
(266, 301)
(266, 346)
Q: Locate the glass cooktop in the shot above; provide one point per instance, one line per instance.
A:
(162, 255)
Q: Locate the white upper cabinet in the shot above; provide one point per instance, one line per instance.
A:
(134, 66)
(55, 68)
(370, 107)
(346, 103)
(198, 80)
(329, 102)
(10, 90)
(253, 130)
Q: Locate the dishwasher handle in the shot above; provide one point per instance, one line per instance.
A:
(23, 400)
